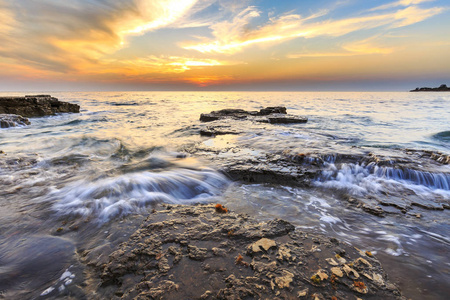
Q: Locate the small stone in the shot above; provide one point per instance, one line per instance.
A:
(349, 271)
(219, 252)
(331, 261)
(163, 265)
(206, 295)
(378, 279)
(303, 293)
(340, 259)
(261, 267)
(360, 287)
(196, 253)
(285, 280)
(322, 274)
(362, 260)
(284, 253)
(263, 244)
(337, 271)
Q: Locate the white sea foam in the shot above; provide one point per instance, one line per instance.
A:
(330, 219)
(360, 180)
(132, 193)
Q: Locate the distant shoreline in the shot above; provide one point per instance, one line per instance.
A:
(441, 88)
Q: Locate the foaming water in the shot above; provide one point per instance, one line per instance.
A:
(107, 198)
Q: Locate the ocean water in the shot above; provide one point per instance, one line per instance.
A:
(103, 170)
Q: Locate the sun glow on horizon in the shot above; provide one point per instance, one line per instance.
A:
(222, 43)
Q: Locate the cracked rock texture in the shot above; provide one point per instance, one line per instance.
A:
(193, 252)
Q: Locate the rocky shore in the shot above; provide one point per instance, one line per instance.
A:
(208, 252)
(14, 111)
(302, 165)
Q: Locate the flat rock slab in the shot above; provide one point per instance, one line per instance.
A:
(194, 252)
(273, 115)
(35, 106)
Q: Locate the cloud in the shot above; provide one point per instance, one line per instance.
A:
(399, 3)
(364, 47)
(232, 37)
(71, 36)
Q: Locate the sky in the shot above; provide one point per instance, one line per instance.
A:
(96, 45)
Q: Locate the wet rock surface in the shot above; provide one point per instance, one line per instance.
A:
(275, 115)
(194, 252)
(36, 106)
(10, 120)
(238, 146)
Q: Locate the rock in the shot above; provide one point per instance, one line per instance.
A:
(351, 273)
(196, 253)
(219, 130)
(283, 119)
(261, 245)
(273, 115)
(302, 293)
(337, 271)
(35, 106)
(10, 120)
(284, 280)
(272, 110)
(441, 88)
(144, 267)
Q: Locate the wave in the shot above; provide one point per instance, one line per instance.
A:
(132, 193)
(443, 136)
(361, 180)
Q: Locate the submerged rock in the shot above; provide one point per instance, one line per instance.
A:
(35, 106)
(10, 120)
(174, 255)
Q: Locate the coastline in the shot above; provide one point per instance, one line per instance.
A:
(278, 171)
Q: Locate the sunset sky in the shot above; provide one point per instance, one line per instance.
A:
(223, 44)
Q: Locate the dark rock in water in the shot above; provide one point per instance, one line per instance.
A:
(35, 106)
(441, 88)
(227, 114)
(272, 110)
(193, 252)
(9, 120)
(275, 115)
(219, 130)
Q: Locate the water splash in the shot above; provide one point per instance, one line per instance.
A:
(132, 193)
(361, 180)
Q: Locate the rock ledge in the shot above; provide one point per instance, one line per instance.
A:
(193, 252)
(35, 106)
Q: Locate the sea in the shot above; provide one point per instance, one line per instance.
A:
(70, 182)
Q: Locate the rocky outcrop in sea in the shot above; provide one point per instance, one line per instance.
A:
(36, 106)
(311, 165)
(441, 88)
